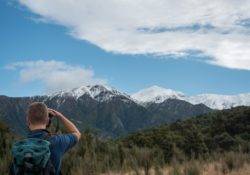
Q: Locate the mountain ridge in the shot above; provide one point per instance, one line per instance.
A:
(156, 94)
(106, 110)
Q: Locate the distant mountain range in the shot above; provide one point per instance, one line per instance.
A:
(113, 113)
(104, 109)
(156, 94)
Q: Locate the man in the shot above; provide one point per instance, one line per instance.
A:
(37, 121)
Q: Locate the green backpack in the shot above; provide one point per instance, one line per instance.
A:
(31, 157)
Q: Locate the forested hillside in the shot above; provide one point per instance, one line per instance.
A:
(218, 131)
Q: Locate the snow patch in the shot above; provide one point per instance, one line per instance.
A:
(97, 92)
(157, 94)
(216, 101)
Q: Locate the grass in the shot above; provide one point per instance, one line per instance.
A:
(223, 164)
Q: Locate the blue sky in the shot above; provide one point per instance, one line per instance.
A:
(26, 38)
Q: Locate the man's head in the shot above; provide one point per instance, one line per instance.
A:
(37, 114)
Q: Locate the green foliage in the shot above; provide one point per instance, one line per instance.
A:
(226, 130)
(224, 141)
(6, 140)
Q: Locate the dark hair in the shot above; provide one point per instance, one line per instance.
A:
(37, 113)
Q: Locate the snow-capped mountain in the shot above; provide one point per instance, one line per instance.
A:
(157, 94)
(216, 101)
(97, 92)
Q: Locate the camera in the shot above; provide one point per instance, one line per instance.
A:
(50, 119)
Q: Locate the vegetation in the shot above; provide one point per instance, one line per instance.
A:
(226, 130)
(215, 142)
(6, 140)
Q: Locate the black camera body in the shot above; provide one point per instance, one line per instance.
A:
(50, 120)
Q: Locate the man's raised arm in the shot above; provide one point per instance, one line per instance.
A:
(69, 126)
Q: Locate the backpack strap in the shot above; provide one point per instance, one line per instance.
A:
(50, 165)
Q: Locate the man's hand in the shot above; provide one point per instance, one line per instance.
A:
(70, 127)
(54, 113)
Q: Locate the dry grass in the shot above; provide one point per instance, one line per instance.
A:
(214, 168)
(217, 169)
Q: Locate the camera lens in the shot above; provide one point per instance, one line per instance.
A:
(50, 115)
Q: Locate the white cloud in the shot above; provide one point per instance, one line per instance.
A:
(219, 29)
(55, 75)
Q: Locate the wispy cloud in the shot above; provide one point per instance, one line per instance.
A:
(55, 75)
(219, 29)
